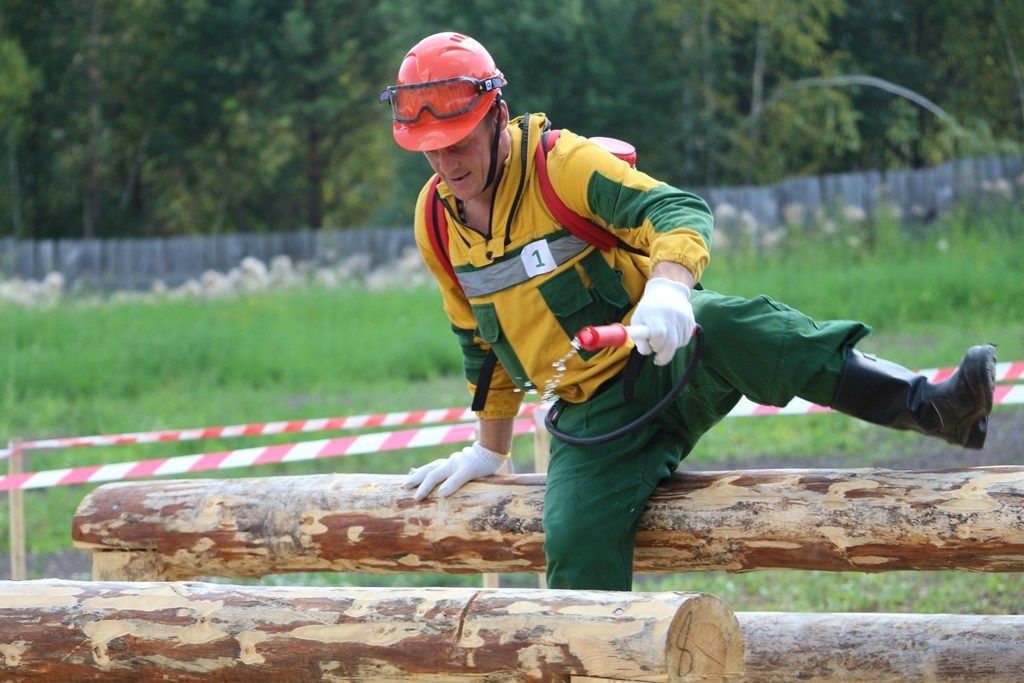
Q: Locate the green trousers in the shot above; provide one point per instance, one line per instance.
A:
(756, 348)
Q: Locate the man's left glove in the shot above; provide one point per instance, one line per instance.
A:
(472, 462)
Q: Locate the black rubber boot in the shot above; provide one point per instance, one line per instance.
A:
(885, 393)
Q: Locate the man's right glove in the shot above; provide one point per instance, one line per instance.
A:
(472, 462)
(666, 311)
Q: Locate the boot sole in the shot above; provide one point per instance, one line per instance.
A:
(979, 368)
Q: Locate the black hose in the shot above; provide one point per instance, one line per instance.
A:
(551, 418)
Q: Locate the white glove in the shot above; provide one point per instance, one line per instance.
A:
(666, 311)
(472, 462)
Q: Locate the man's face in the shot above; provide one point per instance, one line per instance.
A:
(463, 166)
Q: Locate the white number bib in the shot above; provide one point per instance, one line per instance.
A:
(537, 258)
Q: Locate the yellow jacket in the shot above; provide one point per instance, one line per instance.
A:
(527, 290)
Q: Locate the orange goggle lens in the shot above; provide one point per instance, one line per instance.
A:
(443, 99)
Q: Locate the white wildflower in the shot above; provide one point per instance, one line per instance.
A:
(327, 278)
(354, 267)
(30, 293)
(749, 222)
(407, 271)
(722, 241)
(772, 238)
(854, 214)
(214, 285)
(283, 273)
(250, 276)
(794, 213)
(725, 212)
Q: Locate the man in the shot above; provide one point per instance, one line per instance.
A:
(521, 286)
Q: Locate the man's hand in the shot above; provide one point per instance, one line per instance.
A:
(472, 462)
(666, 311)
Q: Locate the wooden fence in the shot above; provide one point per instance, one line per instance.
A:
(126, 263)
(919, 194)
(132, 263)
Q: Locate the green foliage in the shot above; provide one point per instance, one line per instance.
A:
(169, 117)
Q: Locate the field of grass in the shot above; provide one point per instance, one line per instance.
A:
(87, 368)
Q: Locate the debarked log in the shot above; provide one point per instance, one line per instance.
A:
(108, 631)
(833, 520)
(882, 648)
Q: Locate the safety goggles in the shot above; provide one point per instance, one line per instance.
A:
(444, 99)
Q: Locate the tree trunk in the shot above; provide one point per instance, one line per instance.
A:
(91, 198)
(13, 180)
(710, 116)
(1011, 56)
(82, 631)
(314, 175)
(784, 647)
(757, 88)
(833, 520)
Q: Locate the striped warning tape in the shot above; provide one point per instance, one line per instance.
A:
(375, 442)
(1011, 371)
(350, 445)
(406, 418)
(1005, 394)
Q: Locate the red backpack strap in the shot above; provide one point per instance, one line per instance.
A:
(437, 232)
(569, 219)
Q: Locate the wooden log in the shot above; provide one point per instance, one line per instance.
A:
(784, 647)
(91, 631)
(833, 520)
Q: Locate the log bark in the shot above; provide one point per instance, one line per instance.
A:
(834, 520)
(784, 647)
(107, 631)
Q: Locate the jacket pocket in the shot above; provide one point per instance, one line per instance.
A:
(575, 305)
(489, 330)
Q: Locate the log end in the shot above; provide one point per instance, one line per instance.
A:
(704, 641)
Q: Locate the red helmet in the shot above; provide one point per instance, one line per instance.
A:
(446, 85)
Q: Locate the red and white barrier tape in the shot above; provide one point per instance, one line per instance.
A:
(406, 418)
(349, 445)
(1005, 394)
(1010, 371)
(246, 457)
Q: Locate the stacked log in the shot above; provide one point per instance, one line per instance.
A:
(784, 647)
(109, 631)
(833, 520)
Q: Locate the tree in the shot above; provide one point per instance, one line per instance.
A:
(17, 82)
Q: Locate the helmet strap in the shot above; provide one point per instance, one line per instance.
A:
(493, 168)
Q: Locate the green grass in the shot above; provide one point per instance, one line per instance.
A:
(86, 369)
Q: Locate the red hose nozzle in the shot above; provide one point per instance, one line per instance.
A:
(593, 338)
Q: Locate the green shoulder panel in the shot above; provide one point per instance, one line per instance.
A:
(665, 207)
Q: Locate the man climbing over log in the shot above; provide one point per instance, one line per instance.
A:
(518, 285)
